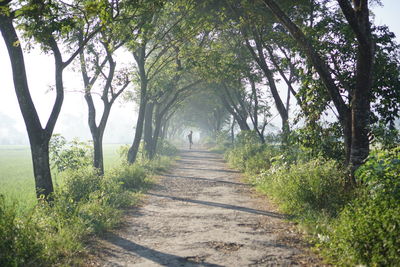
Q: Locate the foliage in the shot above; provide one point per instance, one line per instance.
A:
(131, 177)
(85, 203)
(367, 231)
(318, 140)
(386, 137)
(351, 227)
(17, 237)
(165, 148)
(316, 186)
(246, 145)
(69, 155)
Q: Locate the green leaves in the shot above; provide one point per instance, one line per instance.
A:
(367, 231)
(69, 155)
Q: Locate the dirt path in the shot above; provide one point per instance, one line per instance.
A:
(201, 214)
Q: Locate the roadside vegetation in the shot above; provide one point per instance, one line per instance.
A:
(348, 224)
(84, 204)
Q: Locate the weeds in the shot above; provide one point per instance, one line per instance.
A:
(351, 227)
(84, 204)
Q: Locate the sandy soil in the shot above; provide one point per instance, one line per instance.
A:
(202, 214)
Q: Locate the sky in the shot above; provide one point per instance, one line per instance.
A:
(73, 117)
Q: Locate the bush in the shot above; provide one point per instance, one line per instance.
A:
(69, 155)
(131, 177)
(368, 230)
(247, 144)
(18, 238)
(165, 148)
(316, 186)
(78, 184)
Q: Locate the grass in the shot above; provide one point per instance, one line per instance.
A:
(16, 172)
(85, 204)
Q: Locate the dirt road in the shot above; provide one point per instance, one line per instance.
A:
(201, 214)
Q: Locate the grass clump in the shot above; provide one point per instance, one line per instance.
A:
(18, 236)
(367, 231)
(316, 186)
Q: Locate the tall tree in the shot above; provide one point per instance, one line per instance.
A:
(48, 23)
(354, 118)
(97, 63)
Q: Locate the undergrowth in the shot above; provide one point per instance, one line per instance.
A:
(85, 203)
(359, 226)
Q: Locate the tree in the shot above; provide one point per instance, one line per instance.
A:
(48, 23)
(93, 62)
(354, 119)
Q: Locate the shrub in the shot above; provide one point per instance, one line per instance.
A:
(316, 140)
(247, 145)
(78, 184)
(316, 186)
(132, 177)
(69, 155)
(18, 237)
(368, 230)
(54, 233)
(165, 148)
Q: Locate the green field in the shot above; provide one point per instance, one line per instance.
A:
(16, 174)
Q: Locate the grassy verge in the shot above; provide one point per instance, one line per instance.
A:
(85, 204)
(349, 227)
(17, 184)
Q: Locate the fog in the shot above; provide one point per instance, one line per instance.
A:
(72, 122)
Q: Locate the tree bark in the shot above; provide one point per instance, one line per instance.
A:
(140, 57)
(148, 129)
(358, 18)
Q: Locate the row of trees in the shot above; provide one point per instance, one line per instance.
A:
(209, 63)
(327, 53)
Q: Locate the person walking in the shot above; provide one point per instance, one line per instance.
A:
(190, 137)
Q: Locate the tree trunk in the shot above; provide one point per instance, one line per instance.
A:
(255, 112)
(98, 159)
(157, 131)
(140, 57)
(232, 130)
(41, 168)
(98, 156)
(148, 129)
(134, 149)
(358, 18)
(356, 136)
(38, 137)
(262, 63)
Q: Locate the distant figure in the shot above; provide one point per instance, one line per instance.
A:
(190, 137)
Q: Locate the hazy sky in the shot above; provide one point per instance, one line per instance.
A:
(72, 120)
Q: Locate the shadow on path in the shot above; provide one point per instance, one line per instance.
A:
(164, 259)
(221, 205)
(210, 170)
(203, 179)
(201, 157)
(182, 150)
